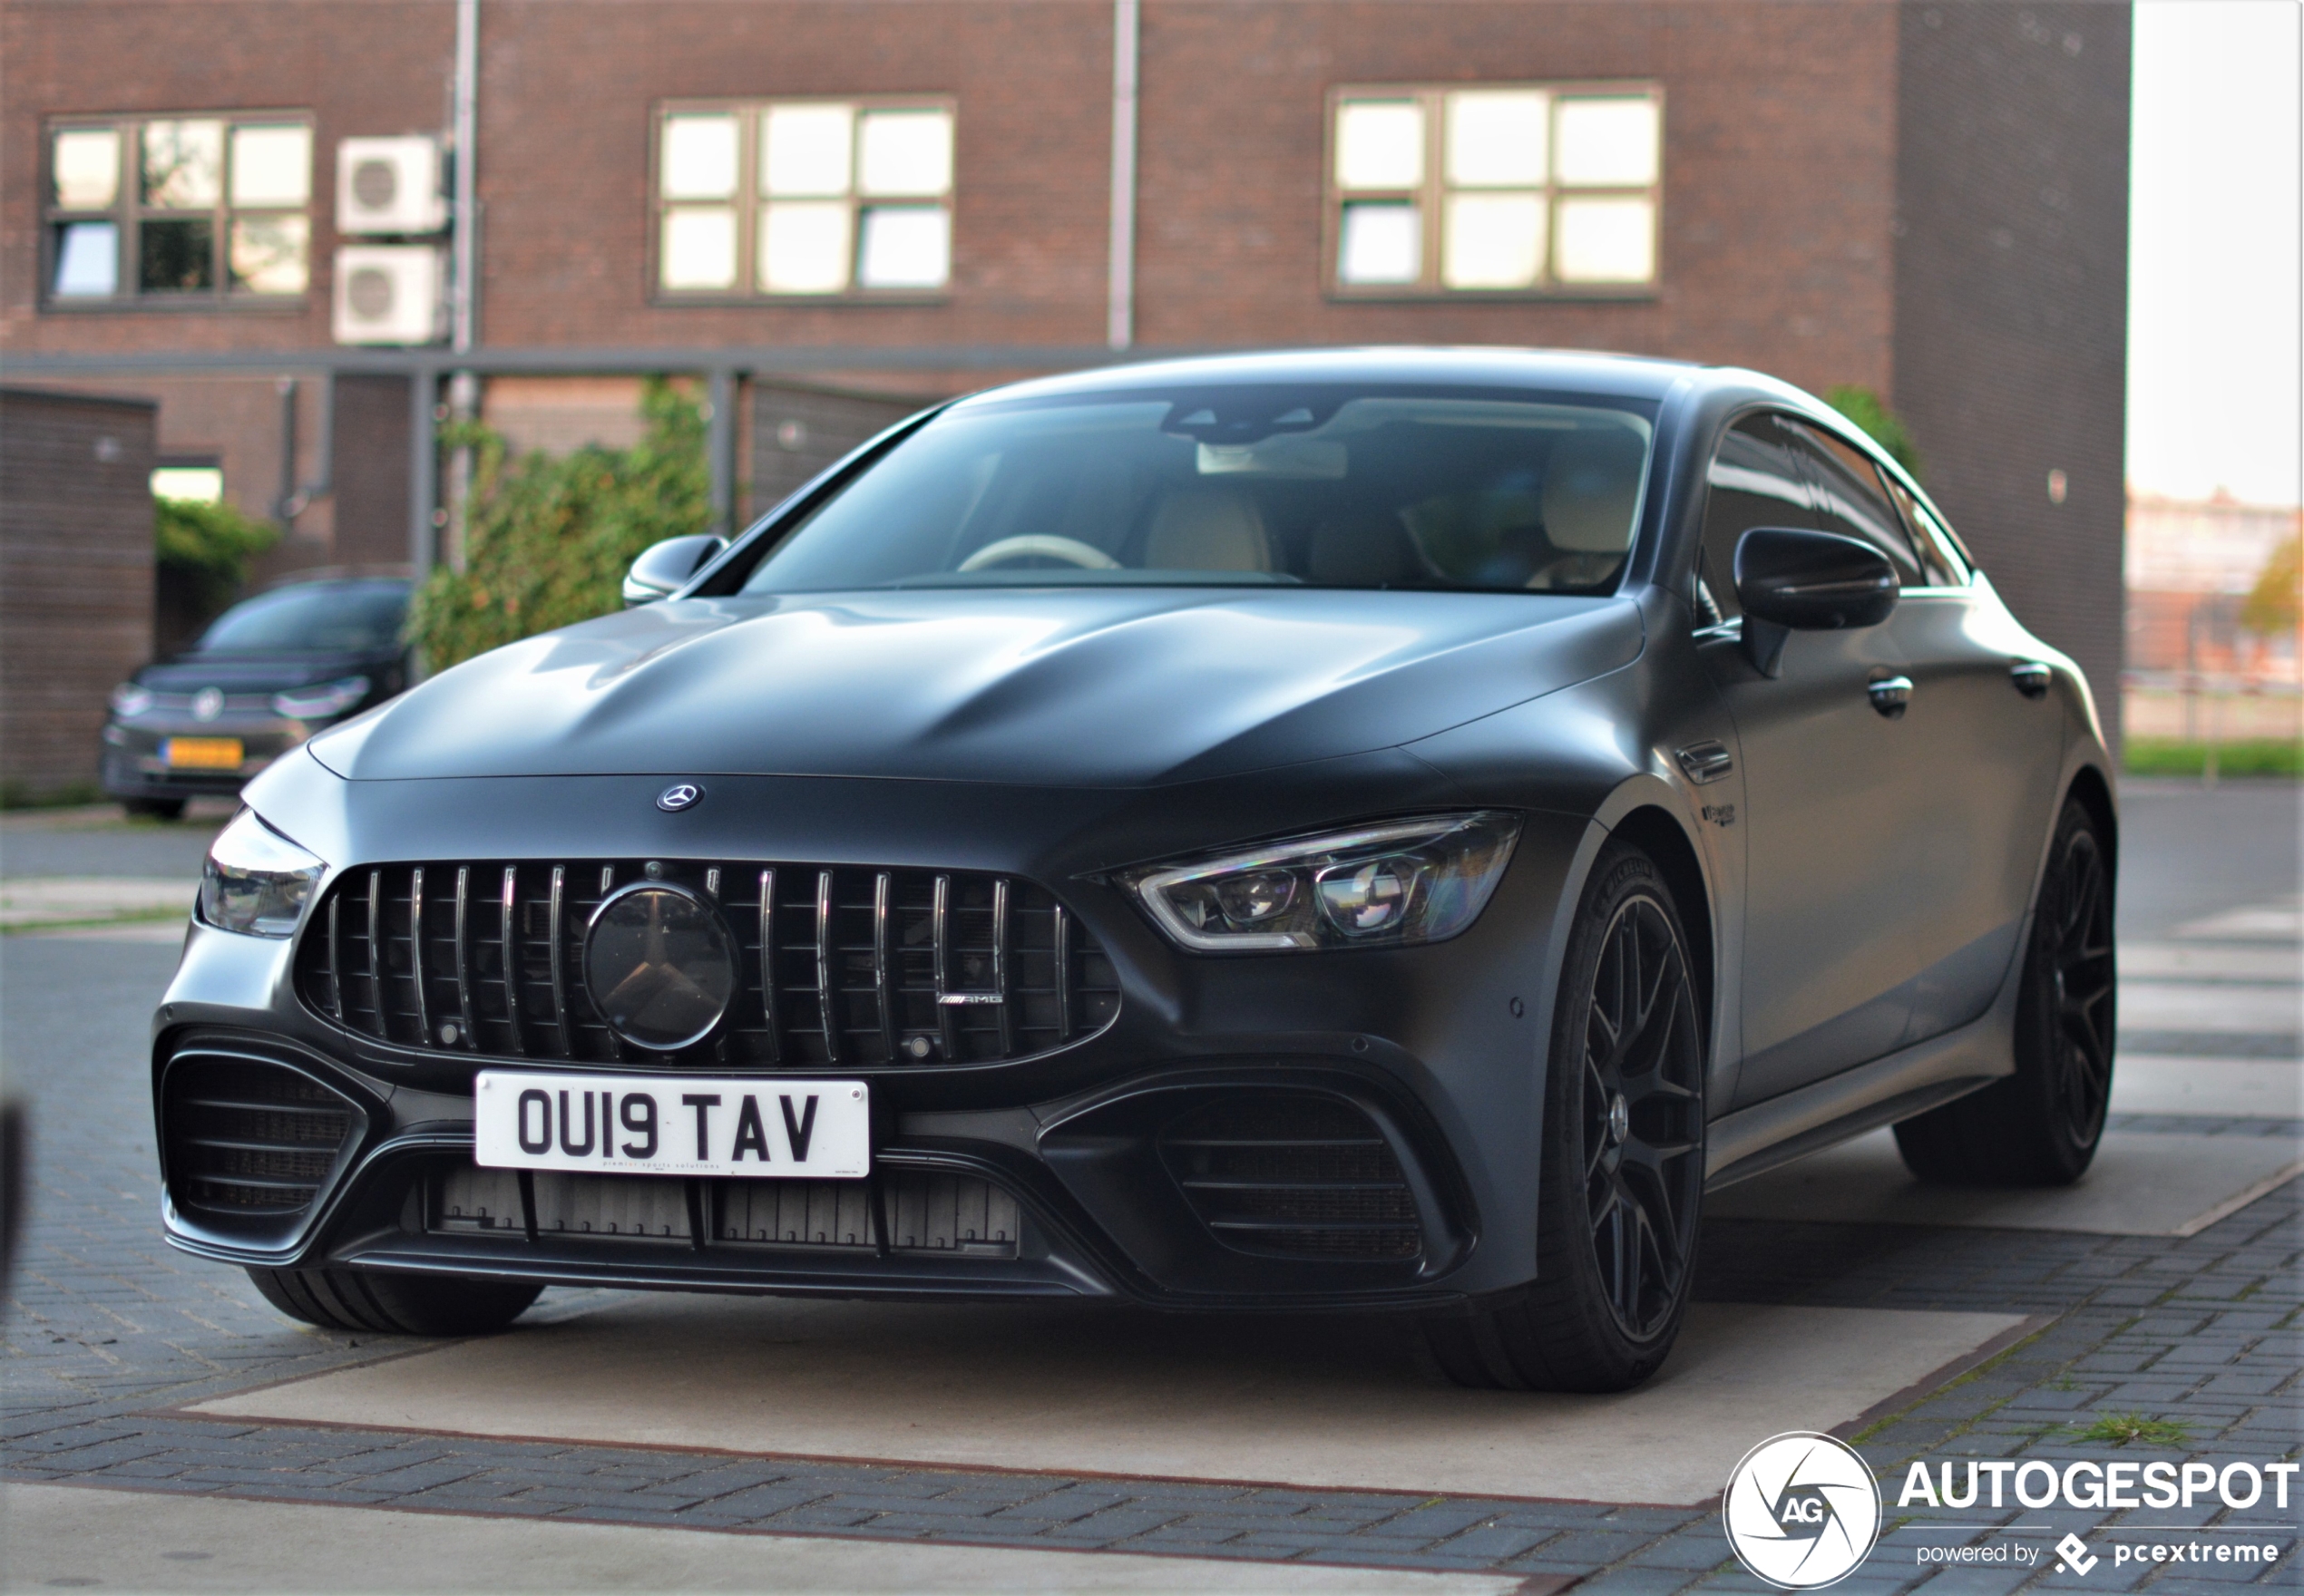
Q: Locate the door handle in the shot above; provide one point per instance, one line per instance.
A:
(2031, 677)
(1892, 695)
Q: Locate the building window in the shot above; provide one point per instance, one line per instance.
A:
(179, 209)
(1502, 187)
(789, 198)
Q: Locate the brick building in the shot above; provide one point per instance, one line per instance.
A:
(832, 210)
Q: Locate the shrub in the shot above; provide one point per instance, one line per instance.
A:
(2271, 608)
(1886, 428)
(547, 540)
(202, 551)
(2250, 757)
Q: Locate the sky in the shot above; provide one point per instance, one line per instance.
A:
(2214, 355)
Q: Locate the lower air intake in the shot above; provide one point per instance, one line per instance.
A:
(250, 1138)
(926, 1213)
(1294, 1174)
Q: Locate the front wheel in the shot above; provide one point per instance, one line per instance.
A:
(395, 1304)
(1622, 1181)
(2040, 1126)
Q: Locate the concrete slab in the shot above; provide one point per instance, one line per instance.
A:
(2139, 1185)
(2264, 922)
(1328, 1402)
(2221, 1008)
(150, 1541)
(61, 900)
(2211, 961)
(169, 931)
(2256, 1088)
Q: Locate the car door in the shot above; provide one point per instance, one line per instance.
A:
(1830, 782)
(1992, 751)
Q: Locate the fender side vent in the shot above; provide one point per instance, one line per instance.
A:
(1294, 1174)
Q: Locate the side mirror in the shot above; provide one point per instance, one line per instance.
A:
(665, 567)
(1790, 579)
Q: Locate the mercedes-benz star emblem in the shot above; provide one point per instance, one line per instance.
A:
(679, 796)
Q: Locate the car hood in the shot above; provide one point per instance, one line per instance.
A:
(1100, 688)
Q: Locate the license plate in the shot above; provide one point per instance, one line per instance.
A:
(202, 752)
(672, 1125)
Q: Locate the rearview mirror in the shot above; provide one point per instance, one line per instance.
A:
(665, 567)
(1792, 579)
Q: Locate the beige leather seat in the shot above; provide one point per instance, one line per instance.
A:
(1208, 527)
(1591, 488)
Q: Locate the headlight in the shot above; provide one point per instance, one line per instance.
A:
(1381, 886)
(322, 699)
(256, 882)
(128, 698)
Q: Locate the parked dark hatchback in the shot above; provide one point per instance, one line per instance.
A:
(1364, 828)
(267, 673)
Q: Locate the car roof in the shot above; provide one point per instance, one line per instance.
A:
(1627, 376)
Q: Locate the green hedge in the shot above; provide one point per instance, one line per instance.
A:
(547, 539)
(2174, 757)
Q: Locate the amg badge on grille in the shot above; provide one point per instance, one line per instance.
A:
(679, 796)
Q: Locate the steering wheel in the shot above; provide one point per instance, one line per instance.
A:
(1042, 546)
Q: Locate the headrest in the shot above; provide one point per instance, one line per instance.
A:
(1204, 527)
(1591, 485)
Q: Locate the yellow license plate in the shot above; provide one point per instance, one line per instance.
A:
(202, 752)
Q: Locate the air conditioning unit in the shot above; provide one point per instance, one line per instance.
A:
(390, 294)
(389, 186)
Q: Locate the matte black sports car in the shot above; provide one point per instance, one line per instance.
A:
(266, 674)
(1376, 830)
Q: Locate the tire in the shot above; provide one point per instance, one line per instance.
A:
(2040, 1126)
(153, 808)
(1621, 1185)
(395, 1304)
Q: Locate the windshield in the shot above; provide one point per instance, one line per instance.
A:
(312, 618)
(1298, 484)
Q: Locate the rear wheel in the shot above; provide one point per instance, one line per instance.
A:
(1622, 1179)
(2040, 1126)
(395, 1304)
(153, 808)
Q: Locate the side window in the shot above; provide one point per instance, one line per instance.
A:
(1753, 482)
(1940, 553)
(1851, 500)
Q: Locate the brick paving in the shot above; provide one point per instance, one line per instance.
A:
(107, 1331)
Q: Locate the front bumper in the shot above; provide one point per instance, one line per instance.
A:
(1083, 1170)
(135, 765)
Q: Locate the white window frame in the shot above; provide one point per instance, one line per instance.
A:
(749, 204)
(1431, 194)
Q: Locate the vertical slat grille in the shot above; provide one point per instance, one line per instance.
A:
(841, 967)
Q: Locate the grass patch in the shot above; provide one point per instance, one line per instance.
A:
(2174, 757)
(2120, 1429)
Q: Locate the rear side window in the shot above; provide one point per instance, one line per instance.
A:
(1941, 557)
(1852, 500)
(1753, 482)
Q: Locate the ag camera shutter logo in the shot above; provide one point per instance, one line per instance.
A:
(1801, 1511)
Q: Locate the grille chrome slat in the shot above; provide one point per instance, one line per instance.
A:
(415, 954)
(508, 944)
(559, 936)
(859, 967)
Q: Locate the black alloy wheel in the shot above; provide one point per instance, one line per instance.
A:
(1643, 1089)
(2040, 1126)
(1622, 1186)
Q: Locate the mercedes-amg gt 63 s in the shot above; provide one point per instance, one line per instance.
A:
(1357, 830)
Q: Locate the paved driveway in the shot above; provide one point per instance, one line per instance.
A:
(616, 1441)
